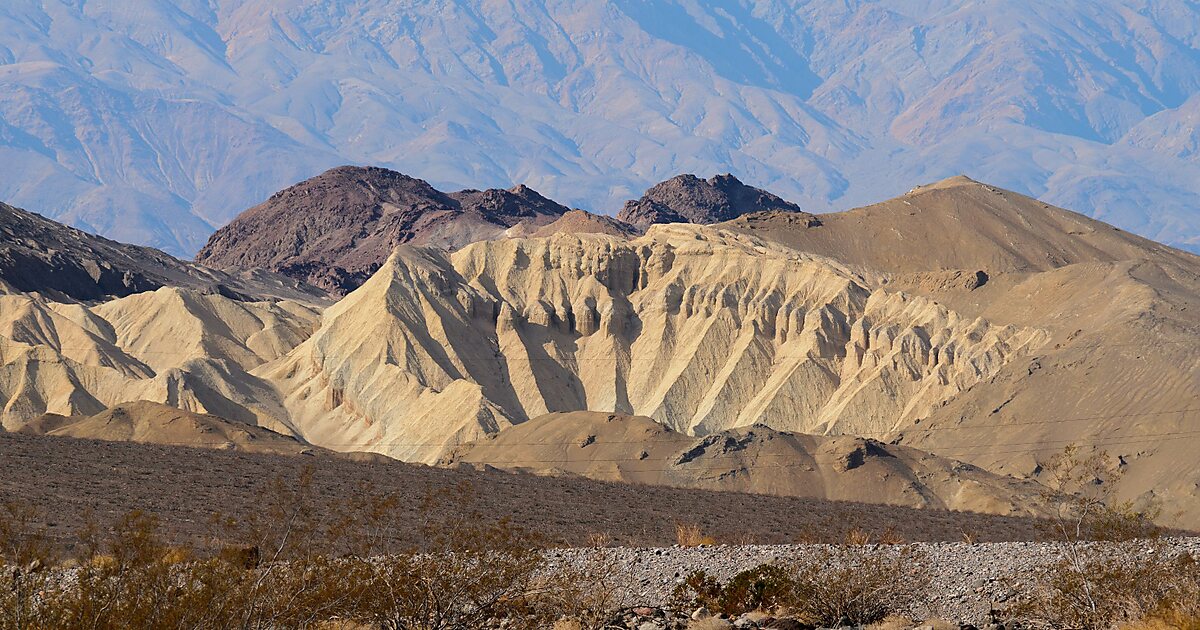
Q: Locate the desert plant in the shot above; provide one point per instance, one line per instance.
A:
(1125, 586)
(765, 587)
(1093, 587)
(470, 571)
(265, 574)
(586, 591)
(26, 553)
(697, 589)
(691, 535)
(856, 585)
(1080, 491)
(858, 536)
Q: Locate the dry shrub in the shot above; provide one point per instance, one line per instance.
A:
(1166, 621)
(599, 540)
(25, 553)
(473, 573)
(1112, 587)
(765, 587)
(855, 585)
(857, 536)
(893, 622)
(839, 585)
(690, 535)
(891, 537)
(586, 593)
(1099, 587)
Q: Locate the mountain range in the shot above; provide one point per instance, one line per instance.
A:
(156, 122)
(931, 350)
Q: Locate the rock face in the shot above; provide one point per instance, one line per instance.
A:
(633, 449)
(689, 199)
(40, 255)
(336, 229)
(701, 331)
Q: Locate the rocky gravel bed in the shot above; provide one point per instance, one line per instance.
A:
(967, 581)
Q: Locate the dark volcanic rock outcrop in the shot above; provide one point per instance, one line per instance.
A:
(689, 199)
(63, 263)
(336, 229)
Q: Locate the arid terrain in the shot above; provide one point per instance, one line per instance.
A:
(933, 350)
(185, 487)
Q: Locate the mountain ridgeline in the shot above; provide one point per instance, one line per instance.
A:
(930, 350)
(336, 229)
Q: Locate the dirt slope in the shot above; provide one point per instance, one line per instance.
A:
(335, 229)
(956, 223)
(584, 222)
(615, 447)
(148, 422)
(1120, 370)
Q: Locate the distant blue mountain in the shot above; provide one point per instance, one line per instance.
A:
(155, 121)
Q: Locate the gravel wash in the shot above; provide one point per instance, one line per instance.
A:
(967, 581)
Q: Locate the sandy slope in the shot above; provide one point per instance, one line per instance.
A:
(155, 423)
(1120, 371)
(957, 223)
(757, 459)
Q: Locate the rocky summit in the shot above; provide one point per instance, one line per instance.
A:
(336, 229)
(689, 199)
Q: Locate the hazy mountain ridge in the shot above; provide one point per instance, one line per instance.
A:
(157, 121)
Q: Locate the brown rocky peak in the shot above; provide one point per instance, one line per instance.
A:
(336, 229)
(689, 199)
(508, 207)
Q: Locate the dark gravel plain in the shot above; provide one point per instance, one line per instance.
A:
(69, 478)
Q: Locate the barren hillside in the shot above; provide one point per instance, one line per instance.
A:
(633, 449)
(185, 486)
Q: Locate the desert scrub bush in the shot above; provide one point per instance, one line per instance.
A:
(26, 586)
(838, 585)
(1119, 586)
(586, 592)
(765, 587)
(1094, 586)
(472, 571)
(857, 585)
(690, 535)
